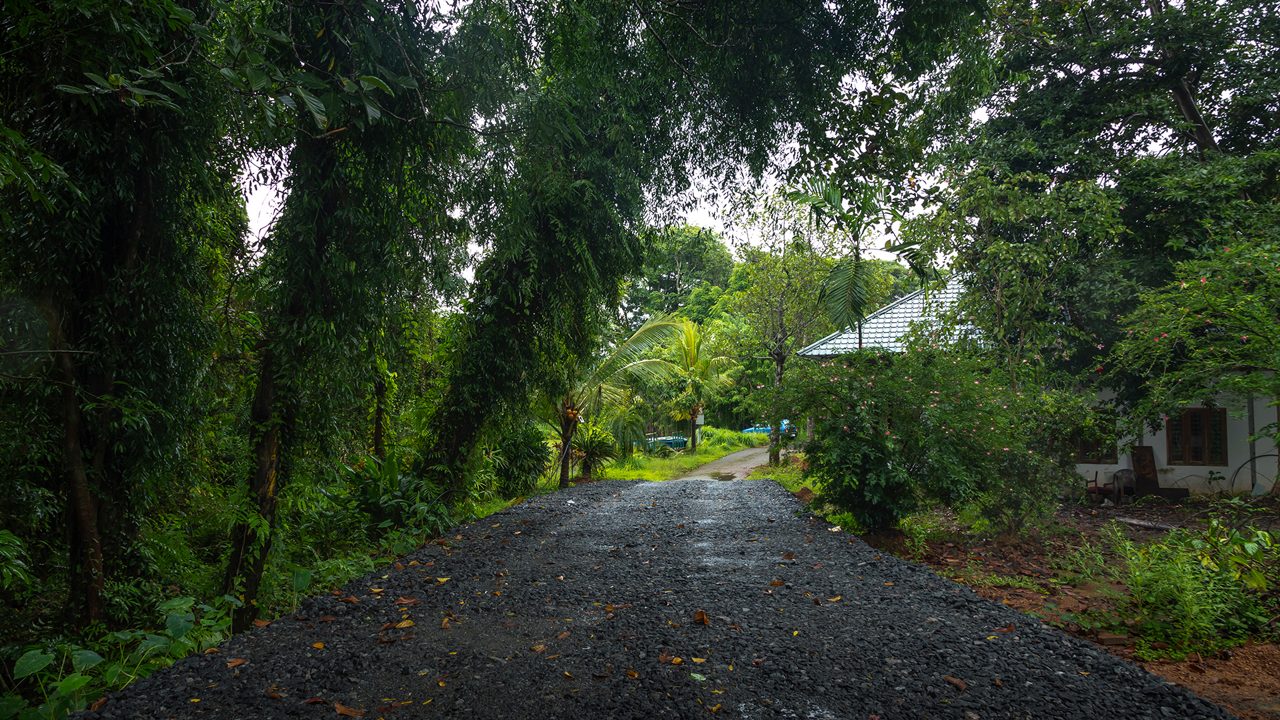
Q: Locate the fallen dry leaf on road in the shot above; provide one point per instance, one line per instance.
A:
(698, 660)
(236, 662)
(261, 623)
(318, 645)
(345, 711)
(788, 555)
(538, 648)
(957, 682)
(404, 624)
(701, 617)
(776, 583)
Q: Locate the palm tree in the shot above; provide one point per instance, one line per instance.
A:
(604, 383)
(699, 373)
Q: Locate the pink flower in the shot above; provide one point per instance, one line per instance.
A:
(1203, 280)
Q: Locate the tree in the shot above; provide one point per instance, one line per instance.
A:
(361, 208)
(603, 384)
(1211, 334)
(678, 262)
(117, 216)
(697, 374)
(1112, 150)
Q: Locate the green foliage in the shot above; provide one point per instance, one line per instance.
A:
(593, 446)
(55, 679)
(15, 571)
(679, 262)
(519, 459)
(1189, 591)
(897, 431)
(1212, 332)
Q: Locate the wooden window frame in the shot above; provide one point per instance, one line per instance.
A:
(1096, 453)
(1209, 417)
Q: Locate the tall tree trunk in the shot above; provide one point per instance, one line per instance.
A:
(380, 417)
(85, 547)
(775, 426)
(249, 548)
(693, 429)
(568, 425)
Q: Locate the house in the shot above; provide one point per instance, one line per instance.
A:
(1202, 449)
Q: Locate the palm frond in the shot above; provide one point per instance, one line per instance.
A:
(846, 293)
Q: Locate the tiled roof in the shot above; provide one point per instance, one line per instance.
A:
(885, 327)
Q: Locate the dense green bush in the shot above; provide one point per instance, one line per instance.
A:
(897, 431)
(593, 446)
(519, 460)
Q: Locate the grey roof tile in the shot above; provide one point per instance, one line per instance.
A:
(885, 327)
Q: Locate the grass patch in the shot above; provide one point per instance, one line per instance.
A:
(790, 474)
(650, 467)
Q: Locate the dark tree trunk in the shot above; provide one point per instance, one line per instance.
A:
(568, 425)
(693, 430)
(85, 547)
(249, 549)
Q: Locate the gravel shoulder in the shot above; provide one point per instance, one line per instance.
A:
(677, 599)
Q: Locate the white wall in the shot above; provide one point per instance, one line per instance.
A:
(1196, 477)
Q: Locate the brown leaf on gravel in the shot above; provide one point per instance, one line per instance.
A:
(998, 682)
(563, 635)
(407, 601)
(444, 623)
(538, 648)
(776, 583)
(567, 674)
(315, 701)
(236, 662)
(404, 624)
(260, 623)
(97, 704)
(327, 618)
(345, 711)
(350, 599)
(1006, 629)
(664, 657)
(788, 555)
(957, 682)
(677, 660)
(701, 617)
(888, 583)
(212, 651)
(273, 692)
(632, 674)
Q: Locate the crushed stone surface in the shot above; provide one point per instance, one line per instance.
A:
(683, 599)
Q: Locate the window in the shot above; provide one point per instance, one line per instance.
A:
(1197, 437)
(1096, 452)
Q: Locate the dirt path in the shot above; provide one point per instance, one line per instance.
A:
(734, 466)
(645, 600)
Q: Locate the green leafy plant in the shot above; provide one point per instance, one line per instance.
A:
(519, 460)
(53, 680)
(593, 446)
(14, 570)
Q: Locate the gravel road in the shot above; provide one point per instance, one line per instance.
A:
(653, 600)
